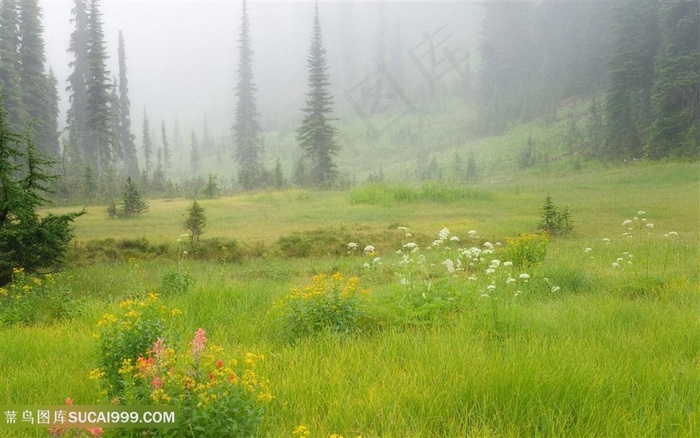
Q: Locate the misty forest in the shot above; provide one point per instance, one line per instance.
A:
(314, 219)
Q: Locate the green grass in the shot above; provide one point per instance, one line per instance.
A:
(614, 352)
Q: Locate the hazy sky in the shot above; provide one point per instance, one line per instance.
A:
(181, 55)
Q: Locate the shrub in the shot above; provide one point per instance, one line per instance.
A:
(329, 303)
(29, 300)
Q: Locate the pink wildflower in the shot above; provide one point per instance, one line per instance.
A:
(158, 349)
(199, 342)
(96, 431)
(69, 401)
(157, 382)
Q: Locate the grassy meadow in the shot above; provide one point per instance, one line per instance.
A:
(601, 337)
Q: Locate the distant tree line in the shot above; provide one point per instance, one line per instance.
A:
(642, 56)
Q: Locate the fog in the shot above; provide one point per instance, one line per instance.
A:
(181, 55)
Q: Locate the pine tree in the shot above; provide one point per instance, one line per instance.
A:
(195, 222)
(10, 66)
(628, 111)
(36, 94)
(27, 241)
(147, 144)
(167, 153)
(278, 176)
(126, 137)
(53, 112)
(132, 203)
(676, 91)
(246, 126)
(195, 161)
(211, 190)
(316, 136)
(97, 117)
(77, 85)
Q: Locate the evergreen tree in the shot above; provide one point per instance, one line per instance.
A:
(126, 137)
(628, 101)
(246, 126)
(195, 222)
(676, 91)
(278, 176)
(53, 112)
(211, 190)
(195, 161)
(27, 241)
(508, 65)
(147, 144)
(207, 142)
(158, 182)
(36, 94)
(132, 203)
(10, 66)
(167, 153)
(97, 117)
(77, 85)
(316, 136)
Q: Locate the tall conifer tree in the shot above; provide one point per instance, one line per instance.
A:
(126, 137)
(316, 136)
(167, 152)
(246, 126)
(147, 143)
(676, 91)
(10, 66)
(97, 121)
(36, 95)
(77, 85)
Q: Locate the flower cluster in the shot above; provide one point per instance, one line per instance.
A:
(127, 334)
(28, 300)
(219, 397)
(329, 303)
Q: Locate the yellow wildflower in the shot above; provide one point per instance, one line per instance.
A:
(301, 431)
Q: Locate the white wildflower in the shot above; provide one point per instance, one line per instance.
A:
(365, 265)
(471, 278)
(471, 233)
(410, 245)
(369, 248)
(449, 264)
(444, 233)
(555, 289)
(641, 212)
(491, 287)
(377, 261)
(650, 225)
(672, 233)
(587, 249)
(510, 280)
(606, 240)
(488, 245)
(490, 271)
(403, 229)
(508, 263)
(454, 239)
(495, 263)
(615, 265)
(626, 222)
(352, 245)
(525, 277)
